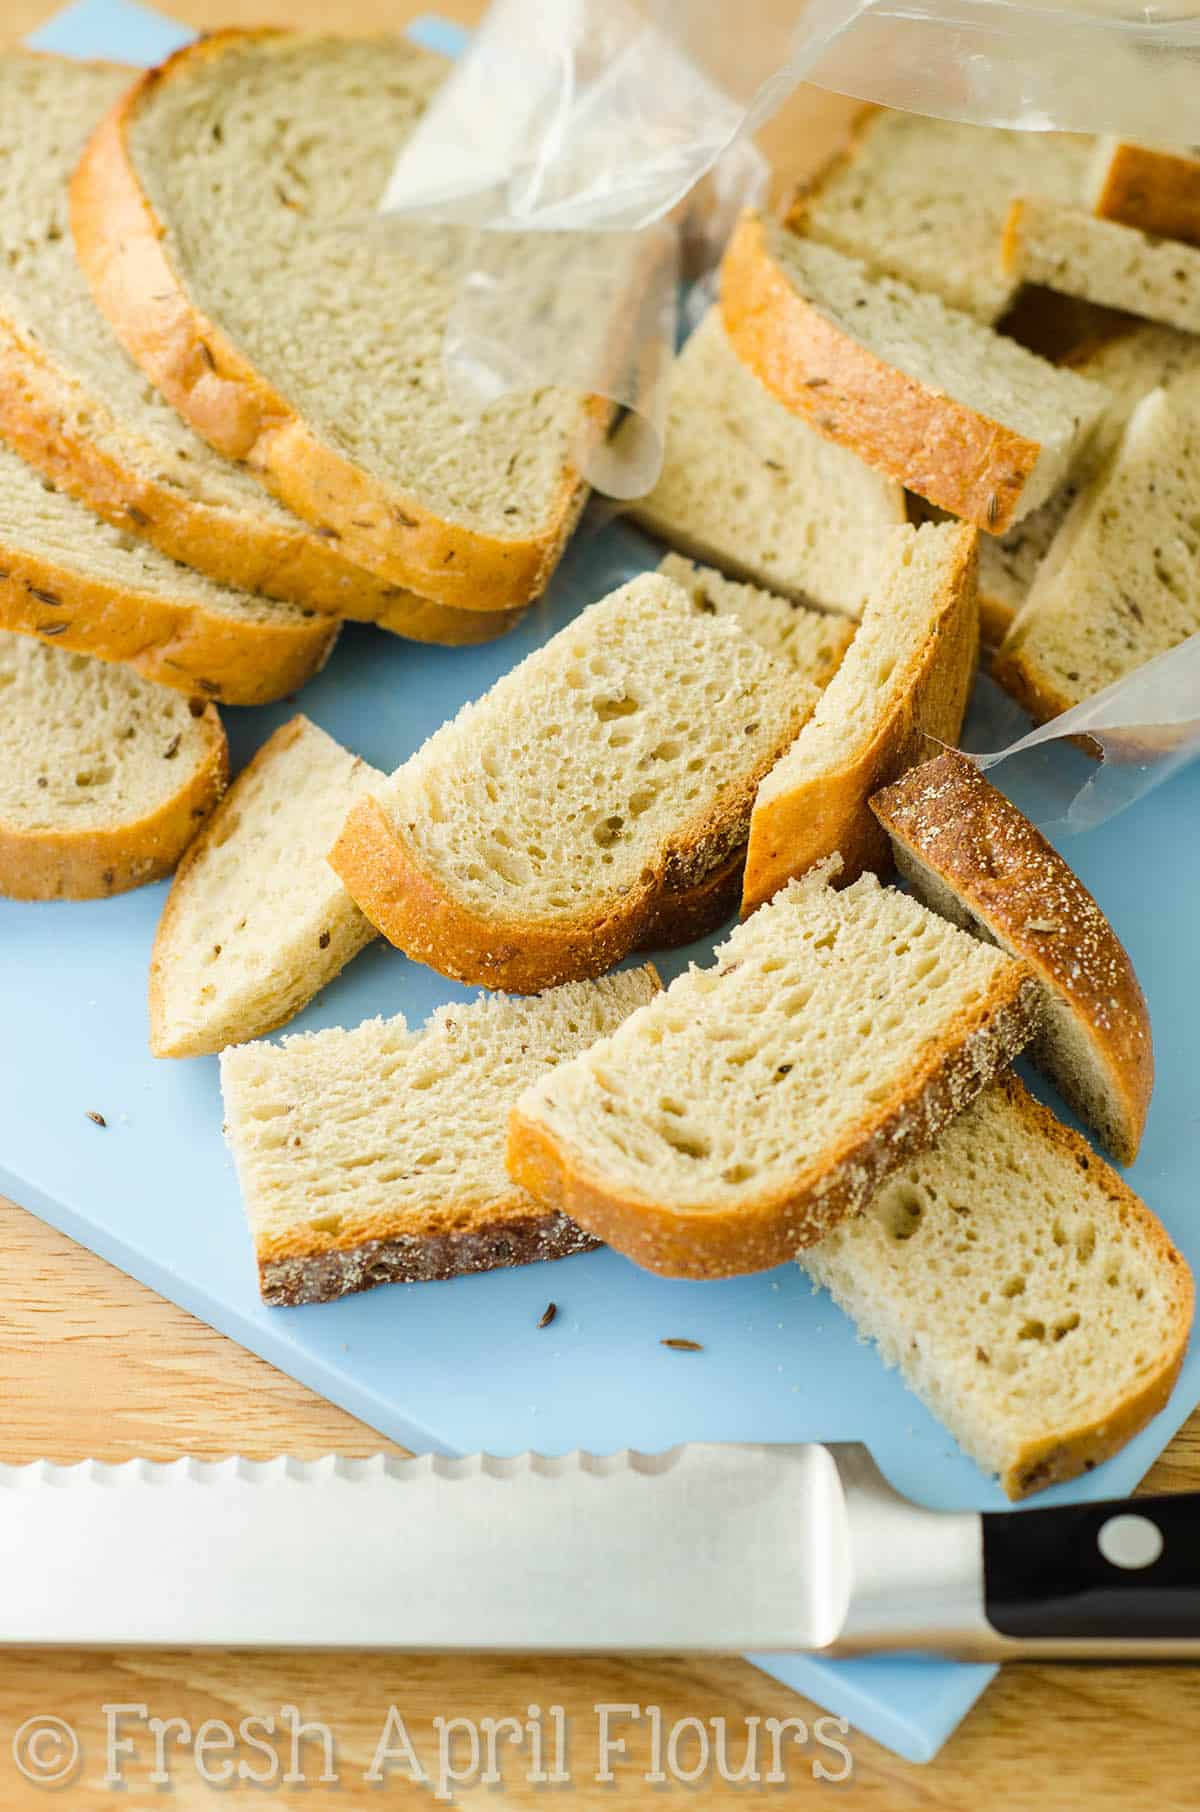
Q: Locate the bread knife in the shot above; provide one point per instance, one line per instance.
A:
(704, 1548)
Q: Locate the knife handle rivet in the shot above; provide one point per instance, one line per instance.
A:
(1130, 1541)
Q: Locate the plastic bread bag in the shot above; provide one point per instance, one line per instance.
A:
(587, 154)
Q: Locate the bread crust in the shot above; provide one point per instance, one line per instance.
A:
(1033, 688)
(681, 915)
(178, 642)
(1158, 191)
(829, 814)
(771, 1228)
(1006, 875)
(963, 461)
(122, 246)
(90, 864)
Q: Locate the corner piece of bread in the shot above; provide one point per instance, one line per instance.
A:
(902, 687)
(377, 1155)
(537, 836)
(972, 856)
(956, 412)
(1024, 1293)
(105, 778)
(757, 1103)
(1068, 249)
(256, 922)
(1158, 191)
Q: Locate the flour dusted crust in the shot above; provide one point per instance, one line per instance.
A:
(122, 246)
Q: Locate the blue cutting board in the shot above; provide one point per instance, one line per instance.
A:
(461, 1365)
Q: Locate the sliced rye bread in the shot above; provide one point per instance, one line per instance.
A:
(535, 837)
(105, 778)
(1121, 582)
(68, 575)
(377, 1155)
(925, 200)
(222, 213)
(902, 689)
(972, 856)
(755, 1104)
(956, 412)
(1158, 191)
(1023, 1292)
(256, 922)
(752, 489)
(1117, 266)
(1130, 361)
(74, 404)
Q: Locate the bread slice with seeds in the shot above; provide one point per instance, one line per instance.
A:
(958, 413)
(1028, 1297)
(750, 488)
(755, 1104)
(105, 779)
(222, 215)
(972, 856)
(69, 576)
(1117, 266)
(535, 838)
(902, 688)
(256, 921)
(377, 1155)
(1139, 186)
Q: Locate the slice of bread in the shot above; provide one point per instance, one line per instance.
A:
(972, 856)
(256, 921)
(1129, 363)
(1122, 580)
(74, 404)
(67, 574)
(755, 1104)
(812, 642)
(377, 1155)
(105, 778)
(958, 413)
(1158, 191)
(533, 838)
(925, 200)
(748, 486)
(903, 686)
(1069, 249)
(1028, 1297)
(222, 213)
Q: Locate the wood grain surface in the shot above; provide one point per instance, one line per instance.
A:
(93, 1364)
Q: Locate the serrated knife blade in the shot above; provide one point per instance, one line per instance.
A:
(702, 1548)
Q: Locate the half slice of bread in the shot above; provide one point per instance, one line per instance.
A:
(812, 642)
(925, 200)
(972, 856)
(749, 486)
(222, 213)
(958, 413)
(377, 1155)
(1158, 191)
(256, 921)
(533, 838)
(1070, 250)
(1122, 580)
(902, 688)
(105, 778)
(755, 1104)
(1028, 1297)
(74, 404)
(69, 575)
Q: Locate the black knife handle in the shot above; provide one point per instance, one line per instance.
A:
(1126, 1569)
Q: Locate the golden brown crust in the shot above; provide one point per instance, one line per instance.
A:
(961, 460)
(179, 642)
(121, 244)
(754, 1235)
(681, 915)
(1157, 191)
(1033, 689)
(1005, 873)
(1070, 1451)
(828, 813)
(91, 864)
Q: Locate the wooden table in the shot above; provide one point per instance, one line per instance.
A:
(93, 1364)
